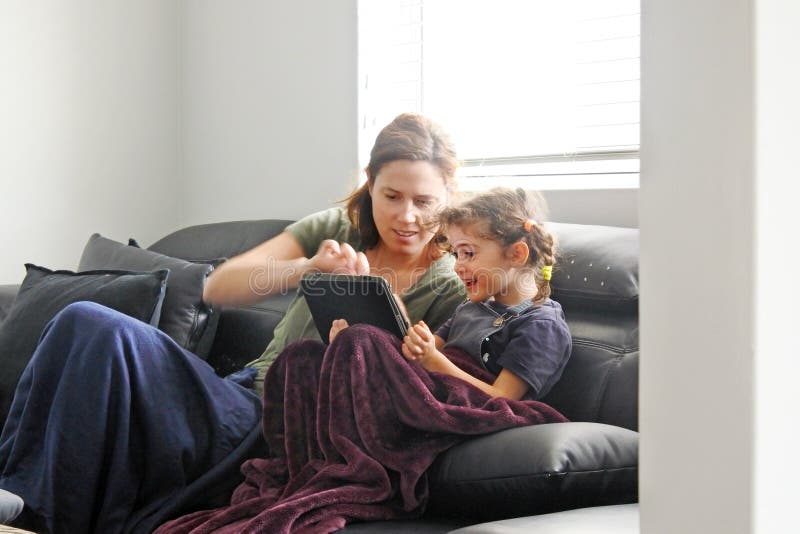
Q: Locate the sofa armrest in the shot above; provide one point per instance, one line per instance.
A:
(8, 292)
(534, 470)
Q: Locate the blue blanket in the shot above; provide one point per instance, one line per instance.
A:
(115, 428)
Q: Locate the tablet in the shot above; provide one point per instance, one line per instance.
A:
(356, 299)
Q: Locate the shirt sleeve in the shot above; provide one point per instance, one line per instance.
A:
(538, 352)
(444, 330)
(313, 229)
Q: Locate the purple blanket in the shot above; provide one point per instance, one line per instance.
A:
(351, 432)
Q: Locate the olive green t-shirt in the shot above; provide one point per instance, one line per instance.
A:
(433, 298)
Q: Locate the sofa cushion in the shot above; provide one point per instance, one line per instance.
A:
(536, 469)
(44, 293)
(597, 267)
(8, 292)
(226, 239)
(615, 519)
(184, 317)
(601, 378)
(245, 331)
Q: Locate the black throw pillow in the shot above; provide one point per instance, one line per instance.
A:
(184, 317)
(44, 293)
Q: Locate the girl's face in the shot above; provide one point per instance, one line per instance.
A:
(406, 194)
(483, 265)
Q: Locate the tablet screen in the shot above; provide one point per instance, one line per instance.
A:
(357, 299)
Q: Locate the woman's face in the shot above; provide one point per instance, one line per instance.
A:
(405, 195)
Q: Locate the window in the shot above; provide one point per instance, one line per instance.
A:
(535, 93)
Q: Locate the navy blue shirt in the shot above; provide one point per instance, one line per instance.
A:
(534, 345)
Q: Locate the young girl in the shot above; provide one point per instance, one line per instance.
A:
(505, 259)
(509, 324)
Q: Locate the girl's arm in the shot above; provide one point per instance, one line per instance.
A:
(422, 346)
(276, 266)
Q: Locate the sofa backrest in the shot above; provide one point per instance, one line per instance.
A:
(596, 280)
(242, 333)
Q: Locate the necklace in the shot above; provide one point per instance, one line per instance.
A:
(512, 312)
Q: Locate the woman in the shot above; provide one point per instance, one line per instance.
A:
(169, 427)
(385, 230)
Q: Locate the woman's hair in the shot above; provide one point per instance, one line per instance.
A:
(409, 137)
(507, 216)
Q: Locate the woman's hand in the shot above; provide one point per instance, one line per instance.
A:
(419, 346)
(339, 258)
(337, 326)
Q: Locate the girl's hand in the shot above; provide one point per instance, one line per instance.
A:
(337, 326)
(419, 345)
(339, 258)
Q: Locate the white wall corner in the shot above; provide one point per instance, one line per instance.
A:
(697, 217)
(777, 256)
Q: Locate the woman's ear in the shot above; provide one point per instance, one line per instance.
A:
(519, 253)
(369, 181)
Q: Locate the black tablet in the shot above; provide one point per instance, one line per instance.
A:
(356, 299)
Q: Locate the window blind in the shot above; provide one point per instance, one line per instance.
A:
(515, 82)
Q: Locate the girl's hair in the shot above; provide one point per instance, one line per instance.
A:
(507, 216)
(410, 137)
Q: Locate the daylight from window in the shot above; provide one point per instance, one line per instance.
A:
(535, 93)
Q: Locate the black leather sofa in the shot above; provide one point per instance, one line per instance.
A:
(589, 465)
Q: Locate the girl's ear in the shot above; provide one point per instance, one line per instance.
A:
(519, 253)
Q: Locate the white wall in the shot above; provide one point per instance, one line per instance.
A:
(777, 365)
(612, 207)
(136, 118)
(269, 108)
(719, 336)
(89, 116)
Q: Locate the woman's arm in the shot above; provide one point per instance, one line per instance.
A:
(267, 269)
(276, 266)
